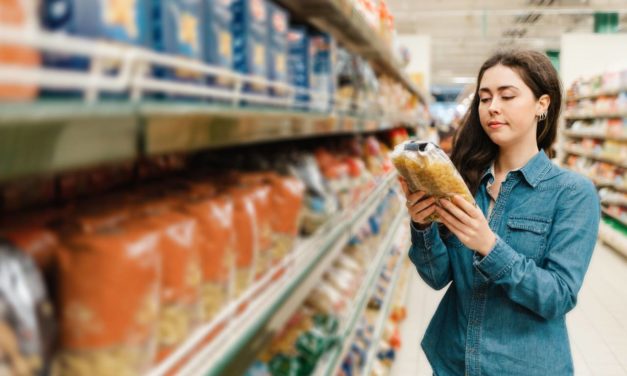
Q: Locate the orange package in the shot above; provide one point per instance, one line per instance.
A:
(13, 14)
(38, 242)
(261, 193)
(109, 301)
(287, 203)
(180, 278)
(215, 218)
(246, 234)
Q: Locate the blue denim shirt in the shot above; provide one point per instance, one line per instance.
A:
(504, 314)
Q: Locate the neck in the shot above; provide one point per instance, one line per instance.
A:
(514, 157)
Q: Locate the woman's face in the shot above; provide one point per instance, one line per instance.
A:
(508, 108)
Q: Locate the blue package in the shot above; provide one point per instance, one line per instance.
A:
(177, 29)
(218, 37)
(250, 32)
(278, 21)
(323, 62)
(123, 21)
(299, 61)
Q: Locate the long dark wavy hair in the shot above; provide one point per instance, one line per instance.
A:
(473, 151)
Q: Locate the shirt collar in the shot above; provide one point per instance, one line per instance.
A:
(533, 171)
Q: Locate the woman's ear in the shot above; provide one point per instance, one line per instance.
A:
(543, 104)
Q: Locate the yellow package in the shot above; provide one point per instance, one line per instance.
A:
(427, 168)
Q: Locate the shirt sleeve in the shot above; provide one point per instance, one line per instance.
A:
(430, 256)
(551, 290)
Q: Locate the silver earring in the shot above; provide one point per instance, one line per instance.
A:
(542, 116)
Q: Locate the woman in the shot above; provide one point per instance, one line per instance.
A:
(517, 259)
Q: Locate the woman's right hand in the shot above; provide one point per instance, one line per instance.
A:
(419, 206)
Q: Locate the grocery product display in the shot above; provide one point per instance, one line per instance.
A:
(427, 168)
(595, 144)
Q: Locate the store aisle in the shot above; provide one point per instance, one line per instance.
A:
(598, 325)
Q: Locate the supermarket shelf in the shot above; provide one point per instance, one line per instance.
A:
(330, 364)
(608, 93)
(614, 238)
(339, 18)
(611, 215)
(273, 303)
(598, 136)
(589, 155)
(590, 115)
(382, 319)
(50, 137)
(601, 183)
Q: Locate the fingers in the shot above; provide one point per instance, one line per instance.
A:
(459, 214)
(403, 183)
(421, 205)
(469, 208)
(450, 221)
(421, 216)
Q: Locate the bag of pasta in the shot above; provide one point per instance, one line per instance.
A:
(427, 168)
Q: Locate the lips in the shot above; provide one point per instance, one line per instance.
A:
(495, 124)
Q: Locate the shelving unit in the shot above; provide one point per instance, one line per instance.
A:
(245, 334)
(608, 93)
(589, 155)
(330, 364)
(591, 115)
(614, 237)
(598, 136)
(126, 114)
(340, 19)
(382, 319)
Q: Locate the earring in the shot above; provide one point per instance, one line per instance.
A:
(543, 116)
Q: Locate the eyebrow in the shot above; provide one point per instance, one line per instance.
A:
(500, 88)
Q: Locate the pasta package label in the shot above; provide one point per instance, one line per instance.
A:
(427, 168)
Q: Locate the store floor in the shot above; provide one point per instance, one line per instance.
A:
(598, 325)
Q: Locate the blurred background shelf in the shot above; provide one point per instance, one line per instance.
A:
(340, 18)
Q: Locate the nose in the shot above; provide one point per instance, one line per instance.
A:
(495, 106)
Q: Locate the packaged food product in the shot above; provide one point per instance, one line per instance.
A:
(281, 212)
(109, 301)
(426, 167)
(278, 21)
(219, 38)
(109, 20)
(17, 13)
(26, 315)
(38, 242)
(323, 78)
(299, 61)
(247, 238)
(287, 206)
(250, 40)
(180, 276)
(217, 241)
(178, 28)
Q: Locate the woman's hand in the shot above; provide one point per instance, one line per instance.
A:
(418, 205)
(468, 223)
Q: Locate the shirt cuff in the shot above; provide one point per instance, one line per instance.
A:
(423, 238)
(498, 262)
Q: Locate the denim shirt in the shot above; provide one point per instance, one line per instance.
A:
(504, 314)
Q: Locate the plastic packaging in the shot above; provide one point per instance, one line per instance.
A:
(109, 299)
(278, 22)
(218, 44)
(247, 237)
(26, 316)
(14, 14)
(250, 40)
(216, 223)
(180, 277)
(427, 168)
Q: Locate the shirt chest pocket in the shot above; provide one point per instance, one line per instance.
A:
(528, 235)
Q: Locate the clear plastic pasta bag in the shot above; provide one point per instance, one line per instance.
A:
(427, 168)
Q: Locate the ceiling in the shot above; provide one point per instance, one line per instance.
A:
(465, 32)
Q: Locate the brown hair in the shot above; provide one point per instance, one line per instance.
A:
(473, 151)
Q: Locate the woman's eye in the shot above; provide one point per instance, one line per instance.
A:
(507, 98)
(485, 100)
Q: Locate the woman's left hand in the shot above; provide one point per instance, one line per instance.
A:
(468, 223)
